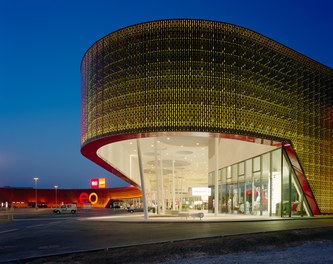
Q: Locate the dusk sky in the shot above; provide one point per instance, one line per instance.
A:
(41, 46)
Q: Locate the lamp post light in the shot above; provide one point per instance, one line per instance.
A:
(36, 179)
(56, 197)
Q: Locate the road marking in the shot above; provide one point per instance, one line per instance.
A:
(32, 226)
(43, 224)
(39, 219)
(48, 247)
(109, 217)
(7, 231)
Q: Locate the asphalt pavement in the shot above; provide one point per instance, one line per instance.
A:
(34, 234)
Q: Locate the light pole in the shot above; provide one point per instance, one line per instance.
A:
(36, 179)
(56, 197)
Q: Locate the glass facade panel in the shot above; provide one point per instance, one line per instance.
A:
(234, 173)
(262, 187)
(229, 174)
(232, 198)
(286, 188)
(241, 168)
(248, 169)
(220, 195)
(265, 183)
(296, 198)
(256, 164)
(276, 183)
(298, 205)
(248, 197)
(256, 191)
(224, 196)
(241, 193)
(211, 185)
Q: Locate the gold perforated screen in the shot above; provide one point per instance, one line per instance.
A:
(194, 75)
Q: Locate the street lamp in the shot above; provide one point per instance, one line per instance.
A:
(56, 197)
(36, 179)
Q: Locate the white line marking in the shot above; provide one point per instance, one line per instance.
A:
(7, 231)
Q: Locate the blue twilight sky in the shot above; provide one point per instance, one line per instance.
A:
(41, 46)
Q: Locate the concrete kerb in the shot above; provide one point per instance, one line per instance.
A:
(188, 219)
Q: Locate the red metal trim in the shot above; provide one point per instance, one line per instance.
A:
(90, 149)
(90, 152)
(302, 179)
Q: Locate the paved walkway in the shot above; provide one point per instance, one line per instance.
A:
(208, 217)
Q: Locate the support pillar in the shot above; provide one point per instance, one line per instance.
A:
(173, 186)
(145, 208)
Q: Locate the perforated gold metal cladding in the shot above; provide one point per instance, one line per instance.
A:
(205, 76)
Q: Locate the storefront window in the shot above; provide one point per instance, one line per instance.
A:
(276, 183)
(241, 192)
(248, 187)
(211, 185)
(220, 203)
(286, 190)
(256, 164)
(256, 197)
(224, 200)
(248, 197)
(265, 183)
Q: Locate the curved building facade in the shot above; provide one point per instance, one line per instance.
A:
(182, 106)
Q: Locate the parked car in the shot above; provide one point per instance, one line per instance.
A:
(133, 209)
(66, 209)
(139, 209)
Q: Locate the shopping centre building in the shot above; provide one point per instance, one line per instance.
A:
(83, 198)
(209, 116)
(121, 197)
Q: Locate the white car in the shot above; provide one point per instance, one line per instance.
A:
(66, 209)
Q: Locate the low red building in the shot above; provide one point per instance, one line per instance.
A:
(96, 198)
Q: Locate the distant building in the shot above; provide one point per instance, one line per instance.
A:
(95, 198)
(205, 115)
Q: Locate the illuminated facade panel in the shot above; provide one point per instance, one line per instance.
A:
(210, 77)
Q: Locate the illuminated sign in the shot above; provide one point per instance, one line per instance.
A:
(102, 182)
(94, 183)
(97, 183)
(201, 191)
(91, 198)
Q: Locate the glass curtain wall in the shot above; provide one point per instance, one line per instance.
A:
(264, 185)
(293, 203)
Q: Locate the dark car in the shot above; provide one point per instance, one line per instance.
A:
(139, 209)
(133, 209)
